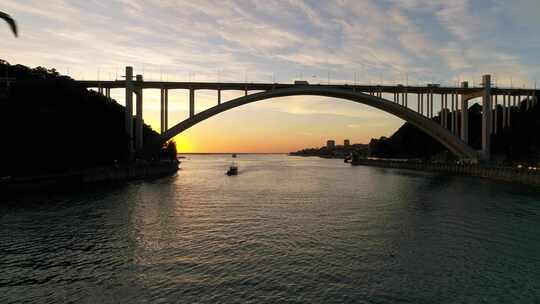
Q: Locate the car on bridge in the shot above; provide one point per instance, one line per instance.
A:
(301, 82)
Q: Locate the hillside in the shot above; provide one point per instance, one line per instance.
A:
(51, 124)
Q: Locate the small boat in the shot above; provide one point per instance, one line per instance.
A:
(233, 170)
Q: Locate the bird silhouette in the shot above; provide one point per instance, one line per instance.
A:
(10, 21)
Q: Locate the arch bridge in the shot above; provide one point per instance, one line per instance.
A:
(451, 129)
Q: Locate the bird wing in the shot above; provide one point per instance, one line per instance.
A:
(10, 21)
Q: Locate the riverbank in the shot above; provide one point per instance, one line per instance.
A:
(509, 174)
(93, 176)
(320, 156)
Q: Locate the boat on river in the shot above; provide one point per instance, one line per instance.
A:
(233, 168)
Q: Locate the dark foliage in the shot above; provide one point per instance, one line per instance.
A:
(339, 151)
(50, 124)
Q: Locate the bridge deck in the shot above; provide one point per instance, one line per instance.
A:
(118, 84)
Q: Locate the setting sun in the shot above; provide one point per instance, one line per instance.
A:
(184, 144)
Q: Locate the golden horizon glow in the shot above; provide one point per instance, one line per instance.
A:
(248, 129)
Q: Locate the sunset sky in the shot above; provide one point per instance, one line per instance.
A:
(389, 41)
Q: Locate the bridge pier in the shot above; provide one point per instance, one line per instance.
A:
(443, 110)
(504, 111)
(164, 109)
(406, 97)
(166, 121)
(510, 110)
(495, 113)
(191, 102)
(464, 114)
(457, 114)
(452, 114)
(129, 108)
(420, 98)
(486, 117)
(431, 105)
(108, 93)
(161, 108)
(428, 111)
(139, 122)
(218, 97)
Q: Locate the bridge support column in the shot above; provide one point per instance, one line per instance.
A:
(191, 102)
(420, 98)
(449, 115)
(504, 120)
(486, 118)
(108, 92)
(451, 121)
(454, 116)
(431, 105)
(139, 116)
(406, 99)
(511, 102)
(163, 110)
(464, 118)
(444, 102)
(129, 108)
(166, 121)
(218, 97)
(428, 111)
(496, 115)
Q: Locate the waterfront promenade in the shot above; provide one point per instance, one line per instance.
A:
(524, 175)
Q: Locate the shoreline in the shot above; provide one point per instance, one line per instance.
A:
(507, 174)
(91, 176)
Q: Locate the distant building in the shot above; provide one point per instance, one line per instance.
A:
(346, 143)
(330, 144)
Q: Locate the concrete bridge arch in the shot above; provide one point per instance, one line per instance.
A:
(430, 127)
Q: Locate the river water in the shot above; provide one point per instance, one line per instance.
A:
(286, 229)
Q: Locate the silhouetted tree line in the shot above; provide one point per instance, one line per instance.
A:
(338, 151)
(50, 124)
(519, 143)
